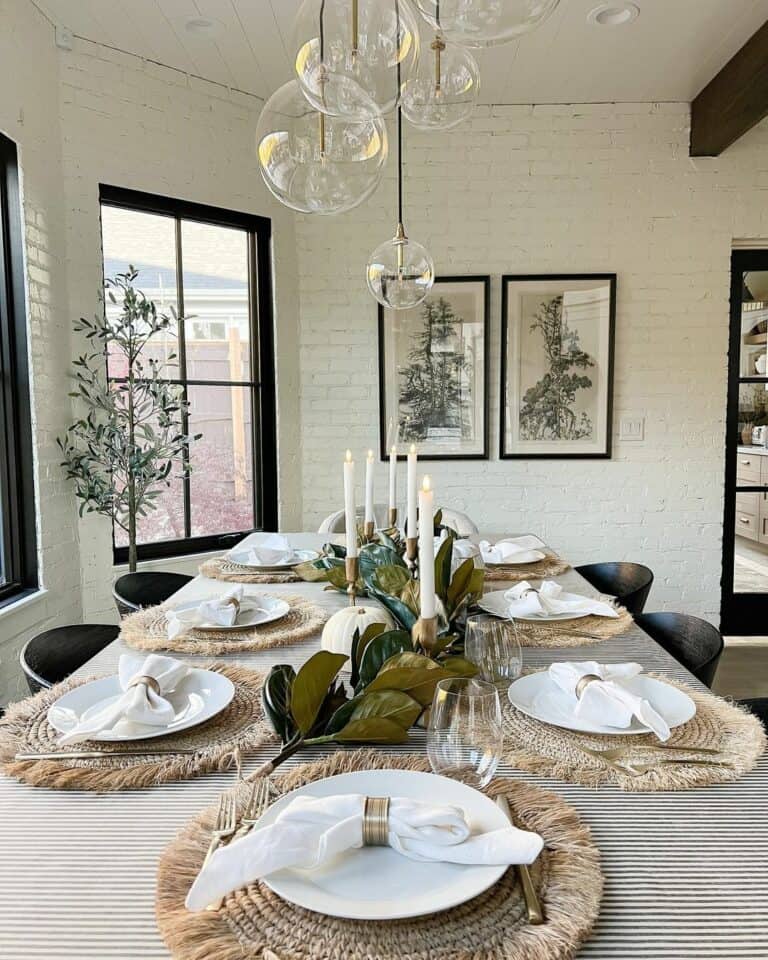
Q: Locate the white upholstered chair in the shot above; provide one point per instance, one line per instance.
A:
(460, 522)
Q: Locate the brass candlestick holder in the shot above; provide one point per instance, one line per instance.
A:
(424, 634)
(352, 570)
(393, 516)
(412, 555)
(369, 531)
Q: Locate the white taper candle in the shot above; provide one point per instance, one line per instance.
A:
(350, 518)
(427, 550)
(411, 529)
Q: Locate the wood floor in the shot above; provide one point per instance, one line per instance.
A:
(743, 669)
(750, 572)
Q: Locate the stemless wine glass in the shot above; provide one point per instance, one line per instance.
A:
(493, 645)
(465, 735)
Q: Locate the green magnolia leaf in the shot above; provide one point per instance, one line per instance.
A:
(373, 555)
(476, 583)
(443, 567)
(418, 682)
(311, 686)
(372, 730)
(411, 596)
(276, 697)
(335, 550)
(359, 643)
(390, 579)
(459, 586)
(402, 613)
(310, 572)
(378, 651)
(342, 716)
(459, 667)
(392, 704)
(438, 522)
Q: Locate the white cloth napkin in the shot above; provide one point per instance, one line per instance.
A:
(138, 704)
(525, 601)
(463, 549)
(312, 830)
(504, 551)
(607, 701)
(219, 611)
(269, 548)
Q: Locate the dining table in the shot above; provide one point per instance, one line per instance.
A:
(686, 873)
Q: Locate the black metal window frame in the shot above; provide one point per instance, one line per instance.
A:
(262, 383)
(18, 537)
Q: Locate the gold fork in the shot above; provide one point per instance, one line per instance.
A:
(639, 769)
(224, 827)
(618, 753)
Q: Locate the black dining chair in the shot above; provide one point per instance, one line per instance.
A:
(693, 642)
(630, 583)
(133, 591)
(53, 655)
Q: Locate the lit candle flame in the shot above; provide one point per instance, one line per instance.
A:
(413, 448)
(426, 484)
(370, 454)
(393, 451)
(349, 456)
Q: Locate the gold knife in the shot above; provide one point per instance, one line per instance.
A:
(532, 902)
(99, 754)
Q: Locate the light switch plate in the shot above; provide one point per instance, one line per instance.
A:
(632, 428)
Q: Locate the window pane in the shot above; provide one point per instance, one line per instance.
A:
(221, 483)
(166, 522)
(148, 242)
(215, 264)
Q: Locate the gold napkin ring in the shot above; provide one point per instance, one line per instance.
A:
(149, 681)
(233, 602)
(376, 822)
(585, 681)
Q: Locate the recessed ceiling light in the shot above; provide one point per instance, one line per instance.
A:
(203, 26)
(614, 14)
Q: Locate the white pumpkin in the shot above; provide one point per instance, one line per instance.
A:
(340, 629)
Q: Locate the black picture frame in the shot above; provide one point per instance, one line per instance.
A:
(507, 280)
(424, 454)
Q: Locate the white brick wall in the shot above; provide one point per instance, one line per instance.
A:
(522, 189)
(559, 189)
(29, 115)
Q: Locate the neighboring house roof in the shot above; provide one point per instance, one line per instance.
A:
(155, 276)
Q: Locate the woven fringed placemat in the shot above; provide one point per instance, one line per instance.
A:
(221, 568)
(573, 633)
(241, 726)
(147, 630)
(550, 566)
(717, 725)
(255, 924)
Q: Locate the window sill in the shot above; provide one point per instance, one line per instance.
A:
(168, 563)
(22, 601)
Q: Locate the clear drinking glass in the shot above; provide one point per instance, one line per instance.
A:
(493, 645)
(465, 736)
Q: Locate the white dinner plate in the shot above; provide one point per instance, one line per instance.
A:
(254, 611)
(376, 883)
(200, 695)
(538, 696)
(241, 558)
(517, 559)
(496, 603)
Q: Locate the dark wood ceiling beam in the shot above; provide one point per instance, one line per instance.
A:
(733, 101)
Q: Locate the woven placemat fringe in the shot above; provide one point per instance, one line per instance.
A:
(221, 568)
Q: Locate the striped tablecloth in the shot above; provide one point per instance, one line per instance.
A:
(686, 873)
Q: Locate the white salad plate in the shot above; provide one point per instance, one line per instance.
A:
(198, 697)
(538, 696)
(242, 559)
(376, 883)
(253, 612)
(497, 604)
(518, 559)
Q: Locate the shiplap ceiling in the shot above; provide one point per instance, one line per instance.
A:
(668, 53)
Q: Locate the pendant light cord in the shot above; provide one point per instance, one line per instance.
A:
(399, 123)
(322, 33)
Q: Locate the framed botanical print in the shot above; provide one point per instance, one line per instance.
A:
(433, 372)
(557, 345)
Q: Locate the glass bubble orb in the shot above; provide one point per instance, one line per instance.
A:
(362, 41)
(484, 23)
(432, 105)
(314, 163)
(400, 273)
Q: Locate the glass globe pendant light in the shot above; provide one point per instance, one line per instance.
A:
(444, 89)
(343, 46)
(400, 273)
(314, 163)
(484, 23)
